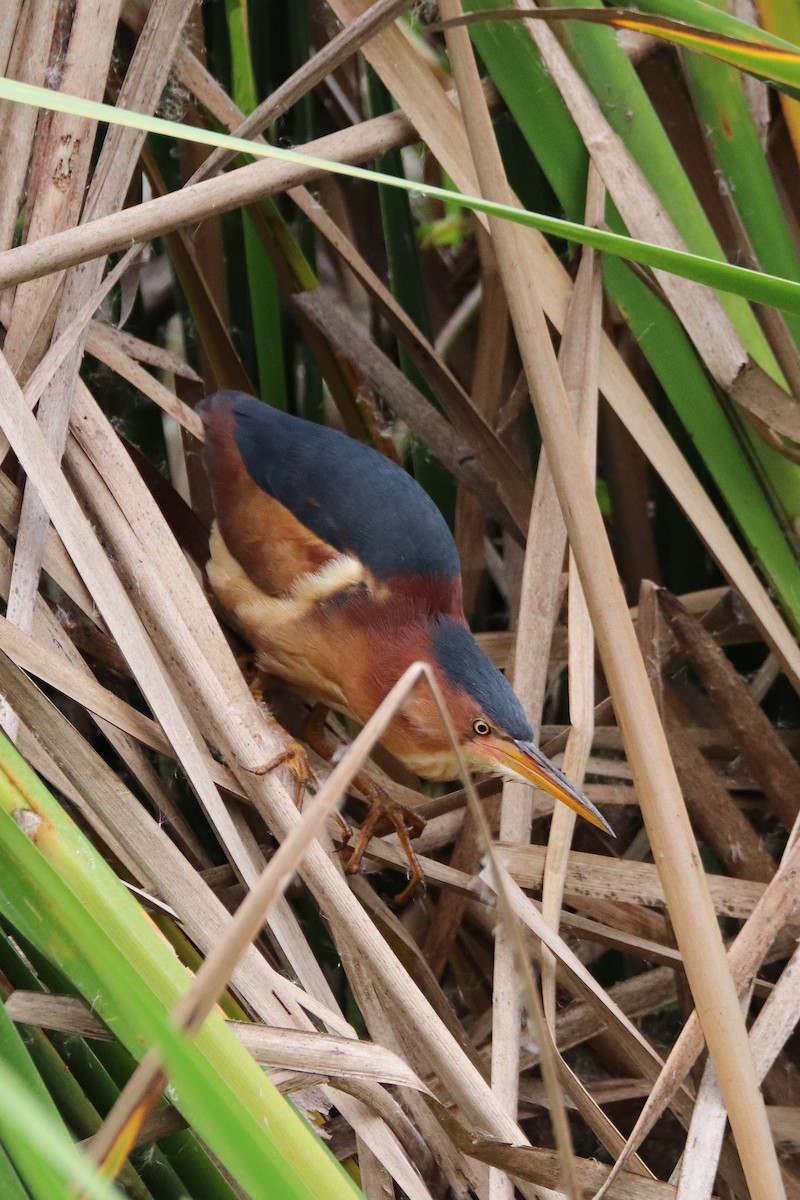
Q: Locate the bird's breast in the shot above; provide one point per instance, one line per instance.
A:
(304, 636)
(437, 765)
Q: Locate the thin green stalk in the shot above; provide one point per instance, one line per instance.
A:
(262, 283)
(681, 374)
(408, 288)
(308, 375)
(718, 94)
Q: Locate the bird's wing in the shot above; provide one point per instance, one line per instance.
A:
(283, 481)
(273, 548)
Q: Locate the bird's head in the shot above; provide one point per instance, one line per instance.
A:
(493, 731)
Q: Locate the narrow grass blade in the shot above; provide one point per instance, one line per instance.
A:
(262, 282)
(738, 281)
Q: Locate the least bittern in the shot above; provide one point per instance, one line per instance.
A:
(341, 572)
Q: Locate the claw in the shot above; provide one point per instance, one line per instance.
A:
(407, 825)
(293, 755)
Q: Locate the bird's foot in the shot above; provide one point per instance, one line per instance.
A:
(293, 755)
(406, 824)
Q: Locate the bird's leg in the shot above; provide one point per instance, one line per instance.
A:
(318, 740)
(404, 821)
(315, 734)
(293, 753)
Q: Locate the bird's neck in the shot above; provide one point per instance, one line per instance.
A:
(416, 736)
(429, 596)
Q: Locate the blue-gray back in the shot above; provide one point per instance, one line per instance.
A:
(346, 493)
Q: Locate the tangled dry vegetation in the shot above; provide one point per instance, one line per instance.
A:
(509, 1027)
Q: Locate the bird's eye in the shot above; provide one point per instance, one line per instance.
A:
(481, 727)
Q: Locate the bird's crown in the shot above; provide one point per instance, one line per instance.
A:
(467, 667)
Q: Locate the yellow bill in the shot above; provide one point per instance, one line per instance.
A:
(525, 761)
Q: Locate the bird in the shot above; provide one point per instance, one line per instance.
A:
(340, 571)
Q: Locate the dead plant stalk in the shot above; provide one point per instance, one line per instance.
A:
(662, 804)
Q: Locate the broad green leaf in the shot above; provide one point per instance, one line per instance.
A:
(32, 1132)
(56, 889)
(728, 39)
(557, 146)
